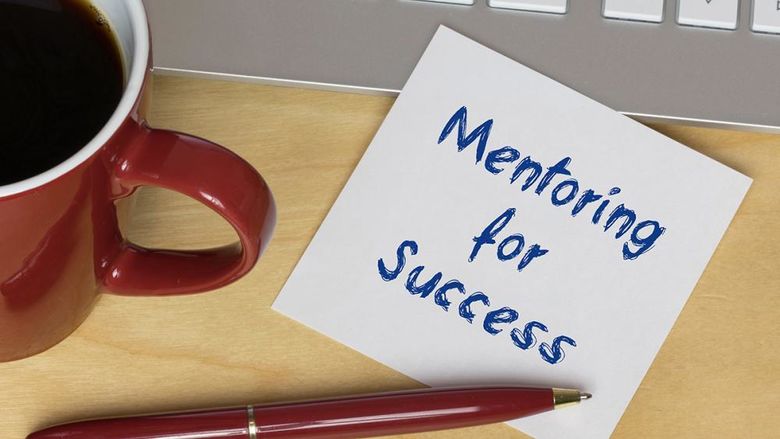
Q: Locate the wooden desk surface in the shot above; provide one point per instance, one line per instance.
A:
(717, 375)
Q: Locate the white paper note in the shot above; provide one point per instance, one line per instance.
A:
(483, 158)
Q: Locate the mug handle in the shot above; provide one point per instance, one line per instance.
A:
(210, 174)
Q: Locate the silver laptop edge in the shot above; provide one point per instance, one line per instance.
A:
(654, 72)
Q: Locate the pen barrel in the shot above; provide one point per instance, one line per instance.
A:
(223, 424)
(400, 413)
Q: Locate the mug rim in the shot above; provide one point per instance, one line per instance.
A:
(137, 73)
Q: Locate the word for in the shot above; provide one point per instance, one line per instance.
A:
(514, 242)
(641, 239)
(523, 339)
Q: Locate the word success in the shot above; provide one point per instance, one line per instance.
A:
(523, 337)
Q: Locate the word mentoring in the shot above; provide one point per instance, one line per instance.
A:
(531, 175)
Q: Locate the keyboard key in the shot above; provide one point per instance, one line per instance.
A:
(554, 6)
(641, 10)
(721, 14)
(766, 16)
(455, 2)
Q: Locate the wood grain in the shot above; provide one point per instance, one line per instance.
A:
(717, 375)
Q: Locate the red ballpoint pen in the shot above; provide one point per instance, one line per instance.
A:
(351, 417)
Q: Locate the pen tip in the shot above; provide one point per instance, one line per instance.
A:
(568, 397)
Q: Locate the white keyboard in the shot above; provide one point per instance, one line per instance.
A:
(716, 14)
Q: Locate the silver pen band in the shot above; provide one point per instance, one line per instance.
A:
(252, 426)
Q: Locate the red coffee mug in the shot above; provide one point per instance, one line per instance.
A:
(60, 244)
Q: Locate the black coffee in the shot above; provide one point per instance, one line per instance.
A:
(60, 80)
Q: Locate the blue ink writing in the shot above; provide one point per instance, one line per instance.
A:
(464, 309)
(425, 289)
(440, 296)
(510, 247)
(389, 275)
(464, 140)
(530, 172)
(494, 321)
(503, 315)
(554, 353)
(526, 339)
